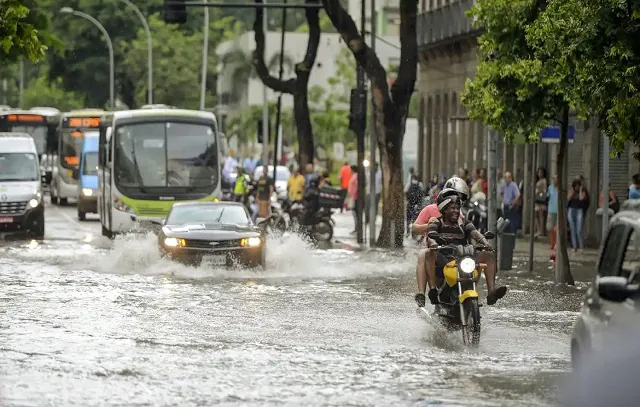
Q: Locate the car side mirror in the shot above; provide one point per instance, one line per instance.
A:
(613, 288)
(489, 235)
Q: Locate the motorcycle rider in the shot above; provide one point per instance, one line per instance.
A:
(311, 202)
(453, 230)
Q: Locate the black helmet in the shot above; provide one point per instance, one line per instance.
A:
(448, 196)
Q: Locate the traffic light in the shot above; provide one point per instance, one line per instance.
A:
(357, 111)
(175, 12)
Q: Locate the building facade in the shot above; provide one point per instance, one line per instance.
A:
(447, 44)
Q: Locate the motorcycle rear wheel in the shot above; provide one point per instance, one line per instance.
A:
(471, 332)
(323, 231)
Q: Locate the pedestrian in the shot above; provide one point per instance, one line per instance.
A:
(552, 210)
(264, 191)
(379, 186)
(295, 184)
(541, 202)
(634, 188)
(352, 194)
(345, 177)
(415, 195)
(614, 204)
(511, 203)
(241, 188)
(407, 182)
(578, 199)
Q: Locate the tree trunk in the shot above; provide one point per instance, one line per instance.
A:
(391, 104)
(563, 272)
(298, 86)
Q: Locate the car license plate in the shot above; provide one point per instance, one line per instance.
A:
(6, 219)
(216, 260)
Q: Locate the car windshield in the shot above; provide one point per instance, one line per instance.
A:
(282, 173)
(90, 164)
(166, 154)
(207, 214)
(19, 167)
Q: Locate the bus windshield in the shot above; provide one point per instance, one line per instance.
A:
(70, 148)
(165, 155)
(37, 131)
(90, 166)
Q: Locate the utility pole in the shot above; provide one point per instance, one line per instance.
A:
(605, 187)
(205, 58)
(279, 112)
(373, 208)
(21, 102)
(265, 110)
(492, 160)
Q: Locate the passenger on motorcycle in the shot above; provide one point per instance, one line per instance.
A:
(311, 202)
(453, 230)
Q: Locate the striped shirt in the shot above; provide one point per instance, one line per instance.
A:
(459, 234)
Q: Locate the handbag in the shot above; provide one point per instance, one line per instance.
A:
(542, 198)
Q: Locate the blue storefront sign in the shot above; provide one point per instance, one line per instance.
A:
(552, 134)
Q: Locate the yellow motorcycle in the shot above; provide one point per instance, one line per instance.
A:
(459, 307)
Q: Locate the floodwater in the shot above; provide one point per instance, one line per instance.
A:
(88, 322)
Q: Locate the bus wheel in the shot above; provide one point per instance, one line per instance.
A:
(82, 215)
(64, 202)
(107, 233)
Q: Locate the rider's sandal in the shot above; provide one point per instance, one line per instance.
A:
(496, 294)
(420, 299)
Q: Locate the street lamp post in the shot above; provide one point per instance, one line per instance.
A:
(69, 10)
(205, 58)
(143, 20)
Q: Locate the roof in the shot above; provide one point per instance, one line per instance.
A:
(84, 113)
(15, 134)
(13, 142)
(171, 112)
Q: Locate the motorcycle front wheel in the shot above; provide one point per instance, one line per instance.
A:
(471, 332)
(323, 231)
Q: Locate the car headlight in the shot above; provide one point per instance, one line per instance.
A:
(87, 191)
(34, 203)
(174, 242)
(467, 265)
(251, 242)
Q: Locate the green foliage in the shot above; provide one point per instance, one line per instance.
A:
(19, 32)
(325, 25)
(40, 92)
(599, 40)
(177, 65)
(517, 90)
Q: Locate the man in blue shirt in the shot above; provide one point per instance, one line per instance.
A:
(511, 203)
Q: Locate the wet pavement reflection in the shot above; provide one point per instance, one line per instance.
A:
(85, 321)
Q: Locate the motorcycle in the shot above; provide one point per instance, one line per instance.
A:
(477, 213)
(459, 308)
(321, 228)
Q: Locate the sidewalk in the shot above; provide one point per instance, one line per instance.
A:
(541, 251)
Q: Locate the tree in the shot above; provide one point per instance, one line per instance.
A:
(18, 34)
(177, 65)
(296, 86)
(602, 41)
(391, 105)
(41, 92)
(518, 90)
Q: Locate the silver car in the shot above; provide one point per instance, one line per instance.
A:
(613, 300)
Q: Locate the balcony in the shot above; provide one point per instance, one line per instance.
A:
(445, 24)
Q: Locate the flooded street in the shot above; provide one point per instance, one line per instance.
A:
(87, 322)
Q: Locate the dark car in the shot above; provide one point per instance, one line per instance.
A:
(613, 301)
(217, 233)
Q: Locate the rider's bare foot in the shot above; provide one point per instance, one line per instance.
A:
(496, 294)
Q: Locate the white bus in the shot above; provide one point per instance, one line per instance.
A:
(151, 158)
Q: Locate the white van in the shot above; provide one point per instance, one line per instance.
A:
(21, 202)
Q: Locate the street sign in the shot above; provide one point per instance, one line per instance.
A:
(552, 134)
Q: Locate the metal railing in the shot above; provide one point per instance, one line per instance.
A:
(445, 23)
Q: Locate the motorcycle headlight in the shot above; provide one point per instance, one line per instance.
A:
(467, 265)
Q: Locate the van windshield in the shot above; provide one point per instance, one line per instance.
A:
(19, 167)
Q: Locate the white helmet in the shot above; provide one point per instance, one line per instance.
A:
(459, 185)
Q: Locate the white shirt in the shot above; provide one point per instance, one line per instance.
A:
(230, 165)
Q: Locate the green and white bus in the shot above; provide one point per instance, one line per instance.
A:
(151, 158)
(70, 134)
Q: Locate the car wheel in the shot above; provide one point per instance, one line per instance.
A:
(82, 215)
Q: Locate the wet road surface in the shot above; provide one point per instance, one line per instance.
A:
(87, 322)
